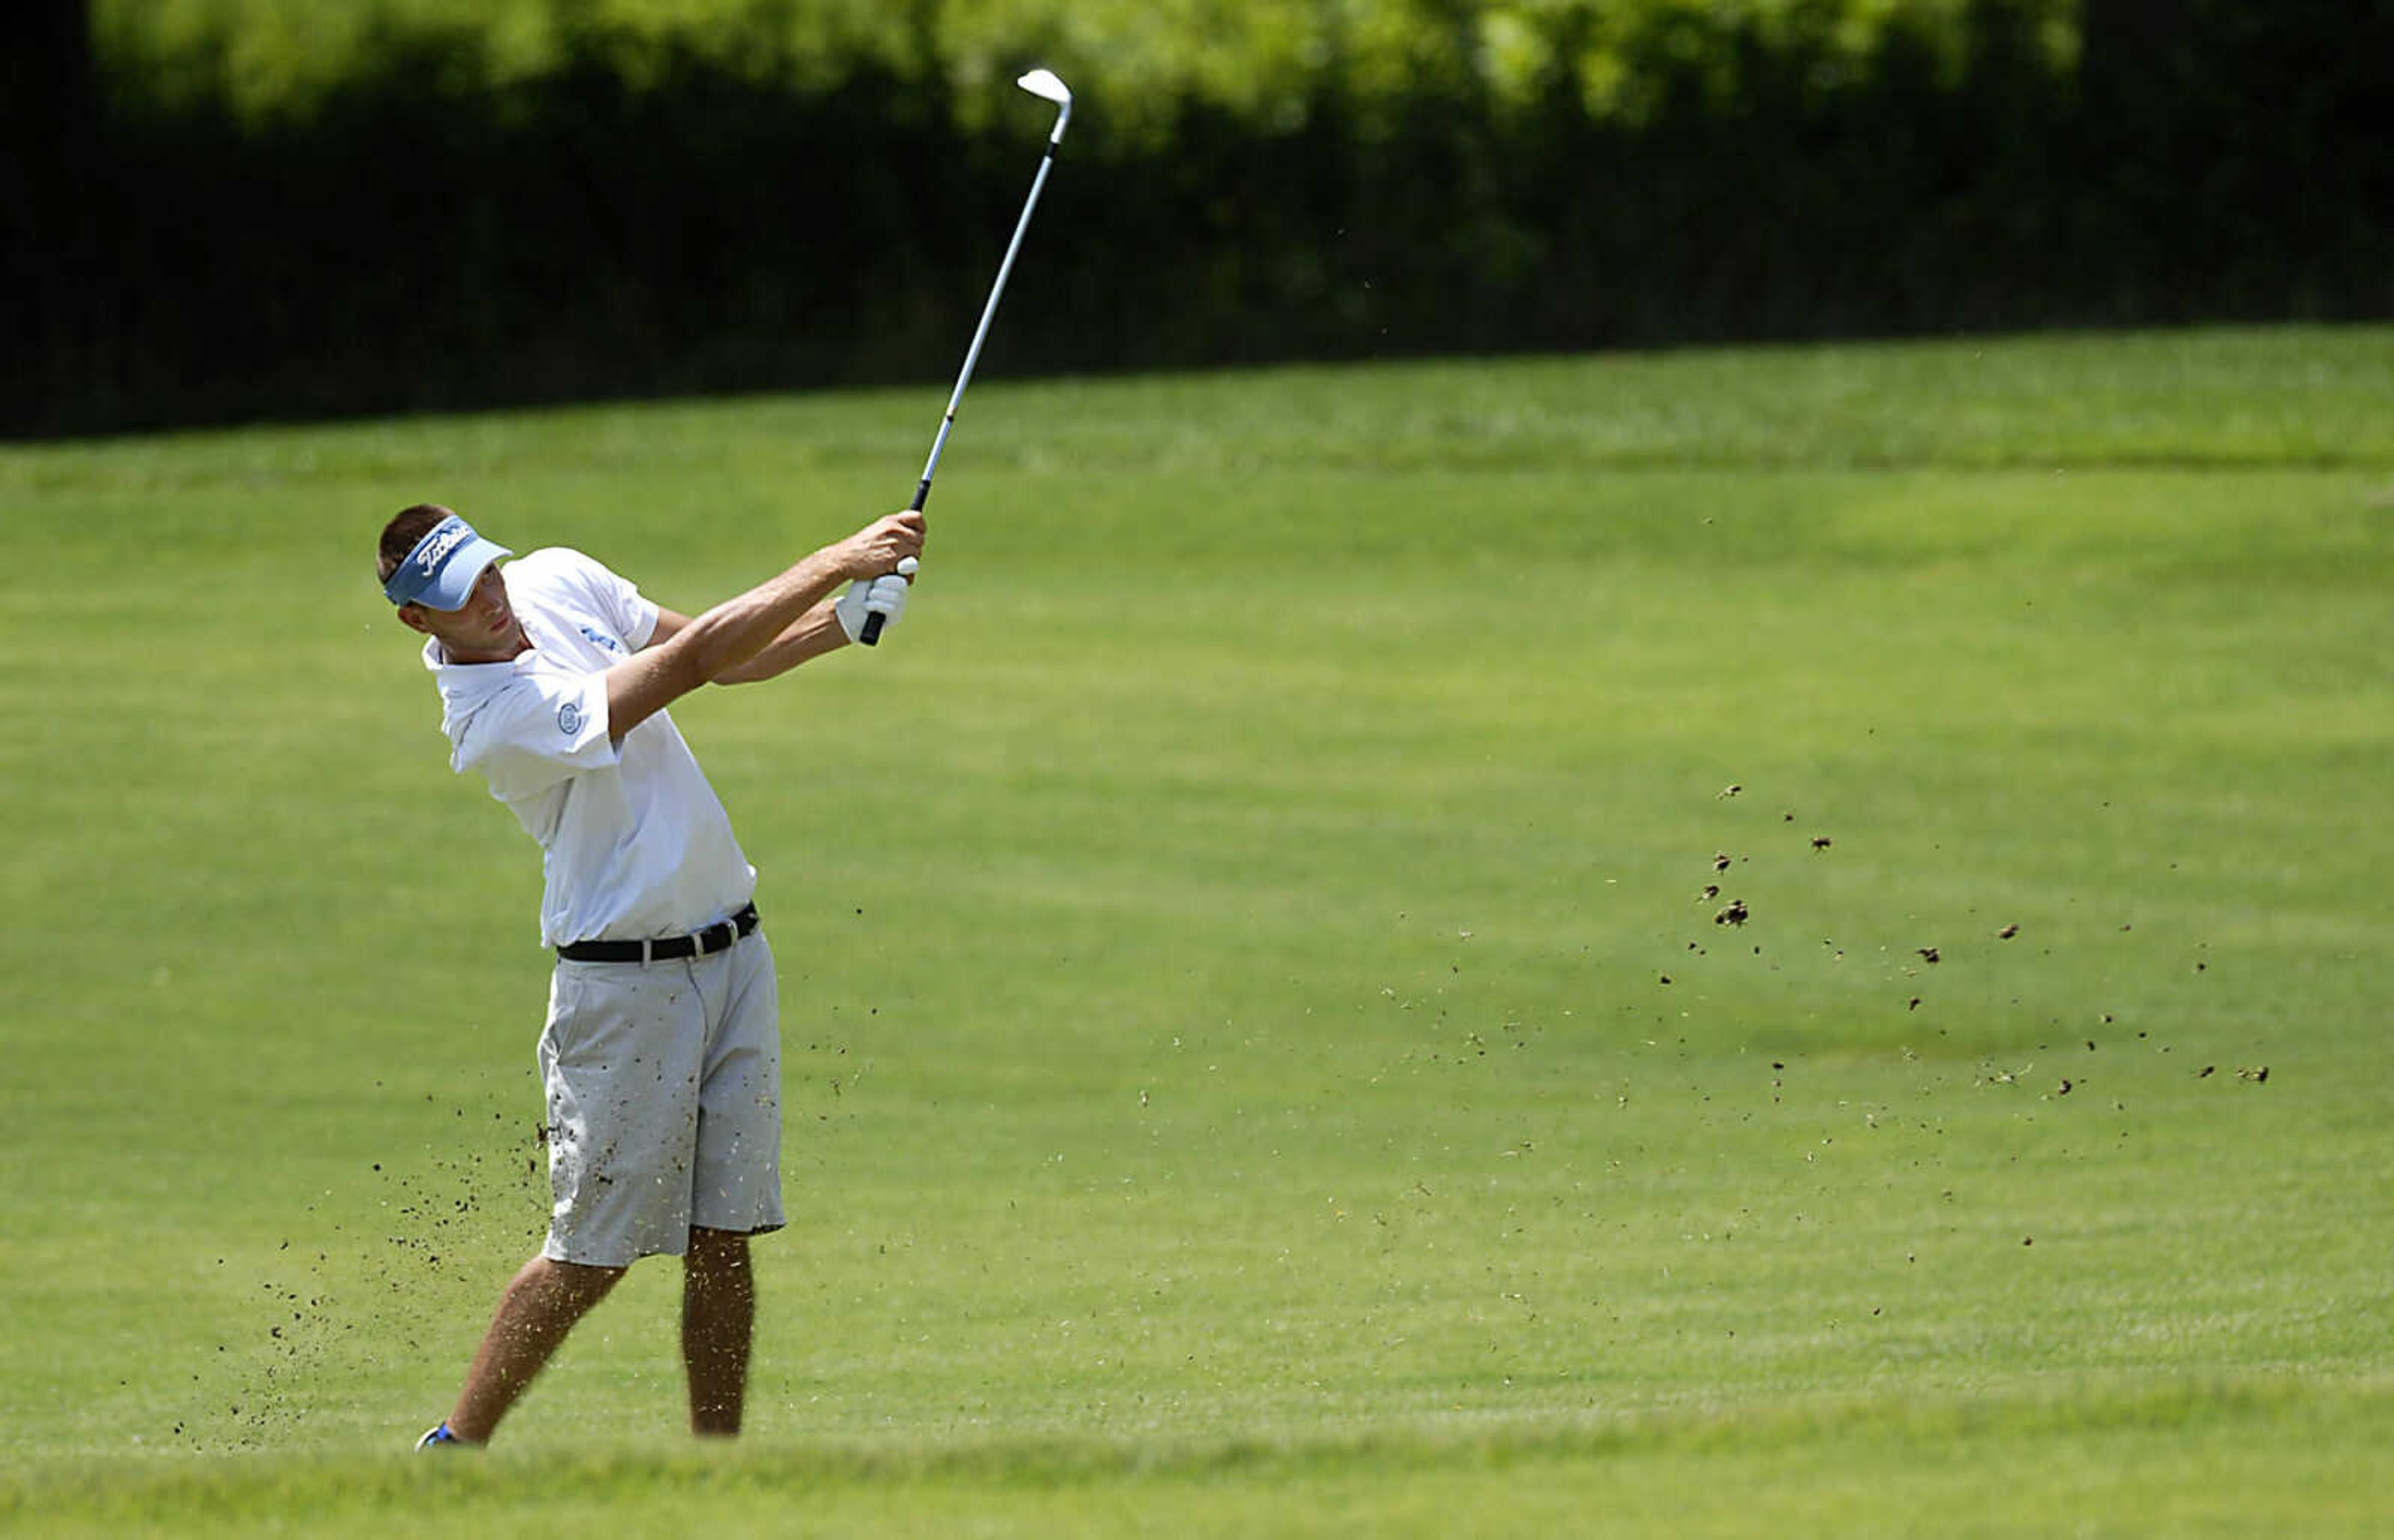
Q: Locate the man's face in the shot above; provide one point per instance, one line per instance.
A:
(482, 630)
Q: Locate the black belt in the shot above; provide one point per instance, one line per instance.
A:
(697, 943)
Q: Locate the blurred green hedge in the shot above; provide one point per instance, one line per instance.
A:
(282, 209)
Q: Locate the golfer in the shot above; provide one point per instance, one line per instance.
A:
(661, 1052)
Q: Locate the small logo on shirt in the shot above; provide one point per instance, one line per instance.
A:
(602, 640)
(568, 719)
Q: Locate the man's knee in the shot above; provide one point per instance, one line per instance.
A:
(577, 1282)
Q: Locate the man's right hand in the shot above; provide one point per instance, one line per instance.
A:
(876, 550)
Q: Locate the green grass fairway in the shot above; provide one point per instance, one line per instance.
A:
(1761, 943)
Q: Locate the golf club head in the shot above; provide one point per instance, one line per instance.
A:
(1044, 85)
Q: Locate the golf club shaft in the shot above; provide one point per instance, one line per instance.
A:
(870, 636)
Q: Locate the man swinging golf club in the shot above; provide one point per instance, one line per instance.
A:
(662, 1051)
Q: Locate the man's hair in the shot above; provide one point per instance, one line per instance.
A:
(402, 535)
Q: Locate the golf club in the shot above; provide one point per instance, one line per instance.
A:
(1042, 84)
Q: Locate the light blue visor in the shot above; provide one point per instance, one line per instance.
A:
(439, 573)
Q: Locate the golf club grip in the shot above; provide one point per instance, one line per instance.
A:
(871, 635)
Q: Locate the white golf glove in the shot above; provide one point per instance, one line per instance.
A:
(883, 595)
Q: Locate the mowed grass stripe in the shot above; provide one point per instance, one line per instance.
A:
(2222, 399)
(2265, 1453)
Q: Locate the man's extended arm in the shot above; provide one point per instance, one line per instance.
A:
(778, 612)
(811, 636)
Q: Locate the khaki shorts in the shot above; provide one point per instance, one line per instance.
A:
(665, 1103)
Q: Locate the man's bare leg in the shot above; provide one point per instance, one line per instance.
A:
(718, 1313)
(539, 1306)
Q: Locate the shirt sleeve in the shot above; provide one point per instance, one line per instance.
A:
(537, 732)
(632, 615)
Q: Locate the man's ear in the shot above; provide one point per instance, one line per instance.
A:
(412, 616)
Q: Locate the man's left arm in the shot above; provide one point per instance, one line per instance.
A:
(811, 636)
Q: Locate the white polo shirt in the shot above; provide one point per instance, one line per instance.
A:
(633, 841)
